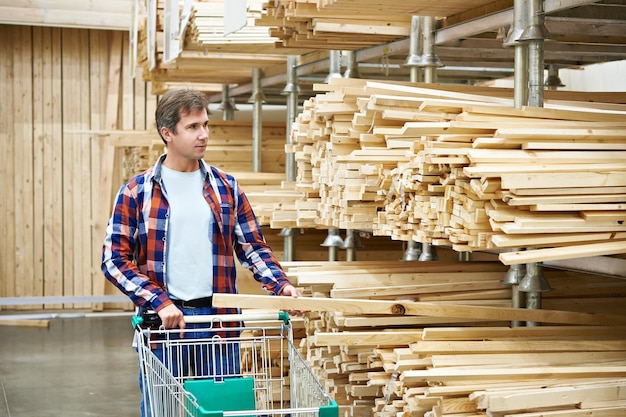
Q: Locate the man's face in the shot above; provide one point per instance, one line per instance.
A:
(190, 139)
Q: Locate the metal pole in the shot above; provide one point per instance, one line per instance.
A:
(353, 66)
(520, 75)
(334, 71)
(292, 90)
(533, 284)
(412, 252)
(535, 35)
(257, 119)
(228, 110)
(429, 60)
(334, 65)
(350, 245)
(333, 241)
(553, 82)
(513, 277)
(413, 60)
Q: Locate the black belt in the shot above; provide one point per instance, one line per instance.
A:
(195, 303)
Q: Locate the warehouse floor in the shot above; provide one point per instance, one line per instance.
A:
(75, 367)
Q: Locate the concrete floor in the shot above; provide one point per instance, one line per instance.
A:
(75, 367)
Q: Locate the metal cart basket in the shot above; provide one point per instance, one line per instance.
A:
(223, 368)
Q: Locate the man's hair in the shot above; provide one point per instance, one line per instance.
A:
(177, 103)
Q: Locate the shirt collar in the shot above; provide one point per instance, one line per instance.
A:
(157, 171)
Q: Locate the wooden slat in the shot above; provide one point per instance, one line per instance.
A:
(23, 154)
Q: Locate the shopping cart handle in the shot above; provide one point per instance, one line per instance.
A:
(151, 318)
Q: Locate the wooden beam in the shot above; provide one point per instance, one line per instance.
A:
(400, 308)
(568, 252)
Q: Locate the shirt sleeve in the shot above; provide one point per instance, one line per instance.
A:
(121, 245)
(252, 250)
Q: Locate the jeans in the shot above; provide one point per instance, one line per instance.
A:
(199, 356)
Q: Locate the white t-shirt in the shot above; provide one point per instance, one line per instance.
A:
(189, 251)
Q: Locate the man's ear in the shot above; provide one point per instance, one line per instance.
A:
(166, 134)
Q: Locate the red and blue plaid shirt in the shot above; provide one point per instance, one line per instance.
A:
(133, 254)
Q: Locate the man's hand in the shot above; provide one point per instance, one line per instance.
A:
(172, 318)
(291, 291)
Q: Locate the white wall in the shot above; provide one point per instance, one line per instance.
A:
(610, 76)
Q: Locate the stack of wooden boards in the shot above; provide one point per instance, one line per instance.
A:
(440, 364)
(200, 51)
(459, 166)
(351, 24)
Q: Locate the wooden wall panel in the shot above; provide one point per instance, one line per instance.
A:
(7, 221)
(63, 86)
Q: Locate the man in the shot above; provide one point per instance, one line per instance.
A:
(176, 228)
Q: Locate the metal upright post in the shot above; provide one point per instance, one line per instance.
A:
(291, 90)
(513, 277)
(520, 76)
(352, 71)
(351, 243)
(227, 106)
(257, 100)
(553, 82)
(333, 242)
(430, 62)
(535, 34)
(334, 71)
(415, 50)
(533, 284)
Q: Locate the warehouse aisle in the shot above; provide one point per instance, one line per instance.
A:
(76, 367)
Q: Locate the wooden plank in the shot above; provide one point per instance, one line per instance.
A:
(413, 308)
(548, 113)
(23, 186)
(540, 240)
(376, 338)
(71, 93)
(98, 66)
(6, 143)
(40, 38)
(407, 290)
(494, 170)
(504, 374)
(544, 157)
(527, 359)
(578, 207)
(548, 332)
(7, 170)
(562, 180)
(550, 397)
(569, 252)
(52, 160)
(571, 133)
(24, 323)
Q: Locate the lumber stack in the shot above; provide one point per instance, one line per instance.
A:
(461, 167)
(195, 41)
(349, 24)
(386, 365)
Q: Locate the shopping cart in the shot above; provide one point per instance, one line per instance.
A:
(226, 368)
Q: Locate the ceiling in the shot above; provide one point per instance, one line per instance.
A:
(468, 35)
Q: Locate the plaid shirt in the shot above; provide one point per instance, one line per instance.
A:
(134, 250)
